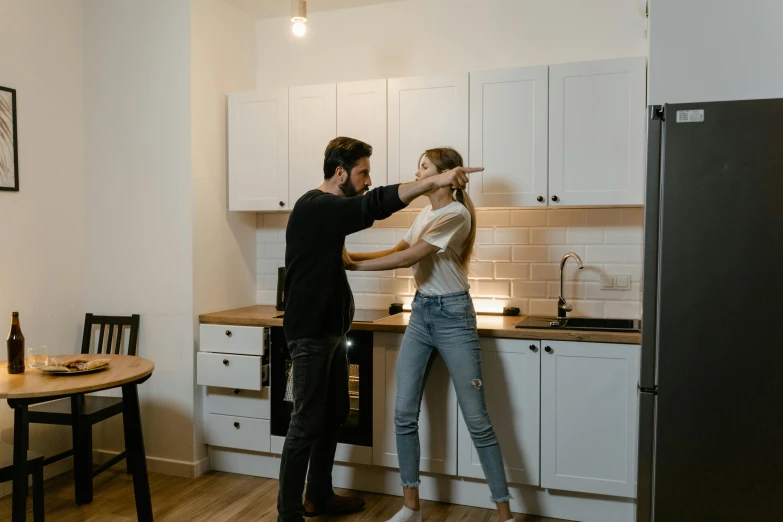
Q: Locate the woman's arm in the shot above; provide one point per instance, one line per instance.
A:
(401, 259)
(365, 256)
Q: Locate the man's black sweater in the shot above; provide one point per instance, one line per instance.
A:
(318, 299)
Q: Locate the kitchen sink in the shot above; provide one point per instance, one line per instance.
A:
(582, 323)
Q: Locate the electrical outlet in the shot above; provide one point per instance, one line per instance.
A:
(607, 281)
(623, 281)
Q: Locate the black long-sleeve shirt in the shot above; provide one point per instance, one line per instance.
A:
(318, 301)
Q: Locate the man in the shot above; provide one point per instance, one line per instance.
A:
(319, 312)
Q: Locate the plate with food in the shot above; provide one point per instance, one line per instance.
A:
(75, 366)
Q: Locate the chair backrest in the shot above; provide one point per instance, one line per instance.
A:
(112, 322)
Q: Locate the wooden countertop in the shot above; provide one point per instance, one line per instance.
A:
(488, 326)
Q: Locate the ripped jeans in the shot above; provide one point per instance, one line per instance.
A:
(444, 325)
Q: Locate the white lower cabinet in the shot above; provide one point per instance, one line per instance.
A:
(437, 421)
(511, 380)
(589, 411)
(243, 433)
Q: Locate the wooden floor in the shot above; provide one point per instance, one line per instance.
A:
(216, 497)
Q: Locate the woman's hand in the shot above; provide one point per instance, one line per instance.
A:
(348, 263)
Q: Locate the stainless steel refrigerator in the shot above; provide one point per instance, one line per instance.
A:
(711, 393)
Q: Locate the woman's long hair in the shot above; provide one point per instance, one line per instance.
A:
(445, 158)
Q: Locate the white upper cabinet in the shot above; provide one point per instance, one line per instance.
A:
(596, 132)
(361, 114)
(425, 113)
(312, 120)
(508, 137)
(258, 151)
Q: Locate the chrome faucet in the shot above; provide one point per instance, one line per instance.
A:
(562, 306)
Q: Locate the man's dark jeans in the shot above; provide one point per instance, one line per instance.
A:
(321, 405)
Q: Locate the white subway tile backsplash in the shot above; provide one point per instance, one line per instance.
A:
(528, 218)
(556, 252)
(623, 310)
(604, 254)
(587, 309)
(493, 218)
(274, 251)
(515, 261)
(565, 218)
(363, 284)
(547, 236)
(624, 236)
(512, 236)
(512, 271)
(528, 289)
(377, 301)
(543, 307)
(485, 236)
(545, 272)
(585, 236)
(603, 217)
(494, 253)
(494, 289)
(379, 235)
(531, 254)
(481, 270)
(399, 219)
(634, 254)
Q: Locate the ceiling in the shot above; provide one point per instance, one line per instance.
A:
(273, 8)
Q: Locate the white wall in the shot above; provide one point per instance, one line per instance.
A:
(43, 224)
(711, 50)
(139, 222)
(420, 37)
(224, 261)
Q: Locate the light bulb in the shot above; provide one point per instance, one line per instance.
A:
(299, 29)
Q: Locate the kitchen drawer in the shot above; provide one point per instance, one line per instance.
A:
(229, 371)
(241, 340)
(228, 431)
(242, 403)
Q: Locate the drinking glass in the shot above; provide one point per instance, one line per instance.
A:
(37, 357)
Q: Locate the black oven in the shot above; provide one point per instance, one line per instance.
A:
(357, 430)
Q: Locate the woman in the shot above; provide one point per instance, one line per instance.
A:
(438, 248)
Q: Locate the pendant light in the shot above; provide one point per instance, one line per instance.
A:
(299, 17)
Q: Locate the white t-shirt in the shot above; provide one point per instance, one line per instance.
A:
(446, 228)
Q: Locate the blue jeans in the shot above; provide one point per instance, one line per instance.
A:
(445, 325)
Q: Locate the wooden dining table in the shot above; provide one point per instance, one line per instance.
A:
(34, 386)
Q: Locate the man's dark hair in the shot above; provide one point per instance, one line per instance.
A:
(344, 152)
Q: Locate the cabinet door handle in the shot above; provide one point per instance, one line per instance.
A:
(540, 199)
(225, 362)
(533, 348)
(549, 349)
(236, 392)
(236, 425)
(282, 204)
(555, 198)
(228, 333)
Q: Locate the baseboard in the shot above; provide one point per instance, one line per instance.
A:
(177, 468)
(531, 500)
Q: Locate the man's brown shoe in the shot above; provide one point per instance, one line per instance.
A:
(334, 505)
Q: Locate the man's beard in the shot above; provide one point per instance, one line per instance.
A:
(349, 190)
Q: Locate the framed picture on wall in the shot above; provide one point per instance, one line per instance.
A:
(9, 150)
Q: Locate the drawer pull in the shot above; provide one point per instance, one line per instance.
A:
(236, 392)
(236, 425)
(228, 333)
(225, 362)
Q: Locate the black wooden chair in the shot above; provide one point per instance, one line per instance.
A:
(92, 409)
(35, 466)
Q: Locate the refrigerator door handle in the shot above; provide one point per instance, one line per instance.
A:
(651, 230)
(645, 483)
